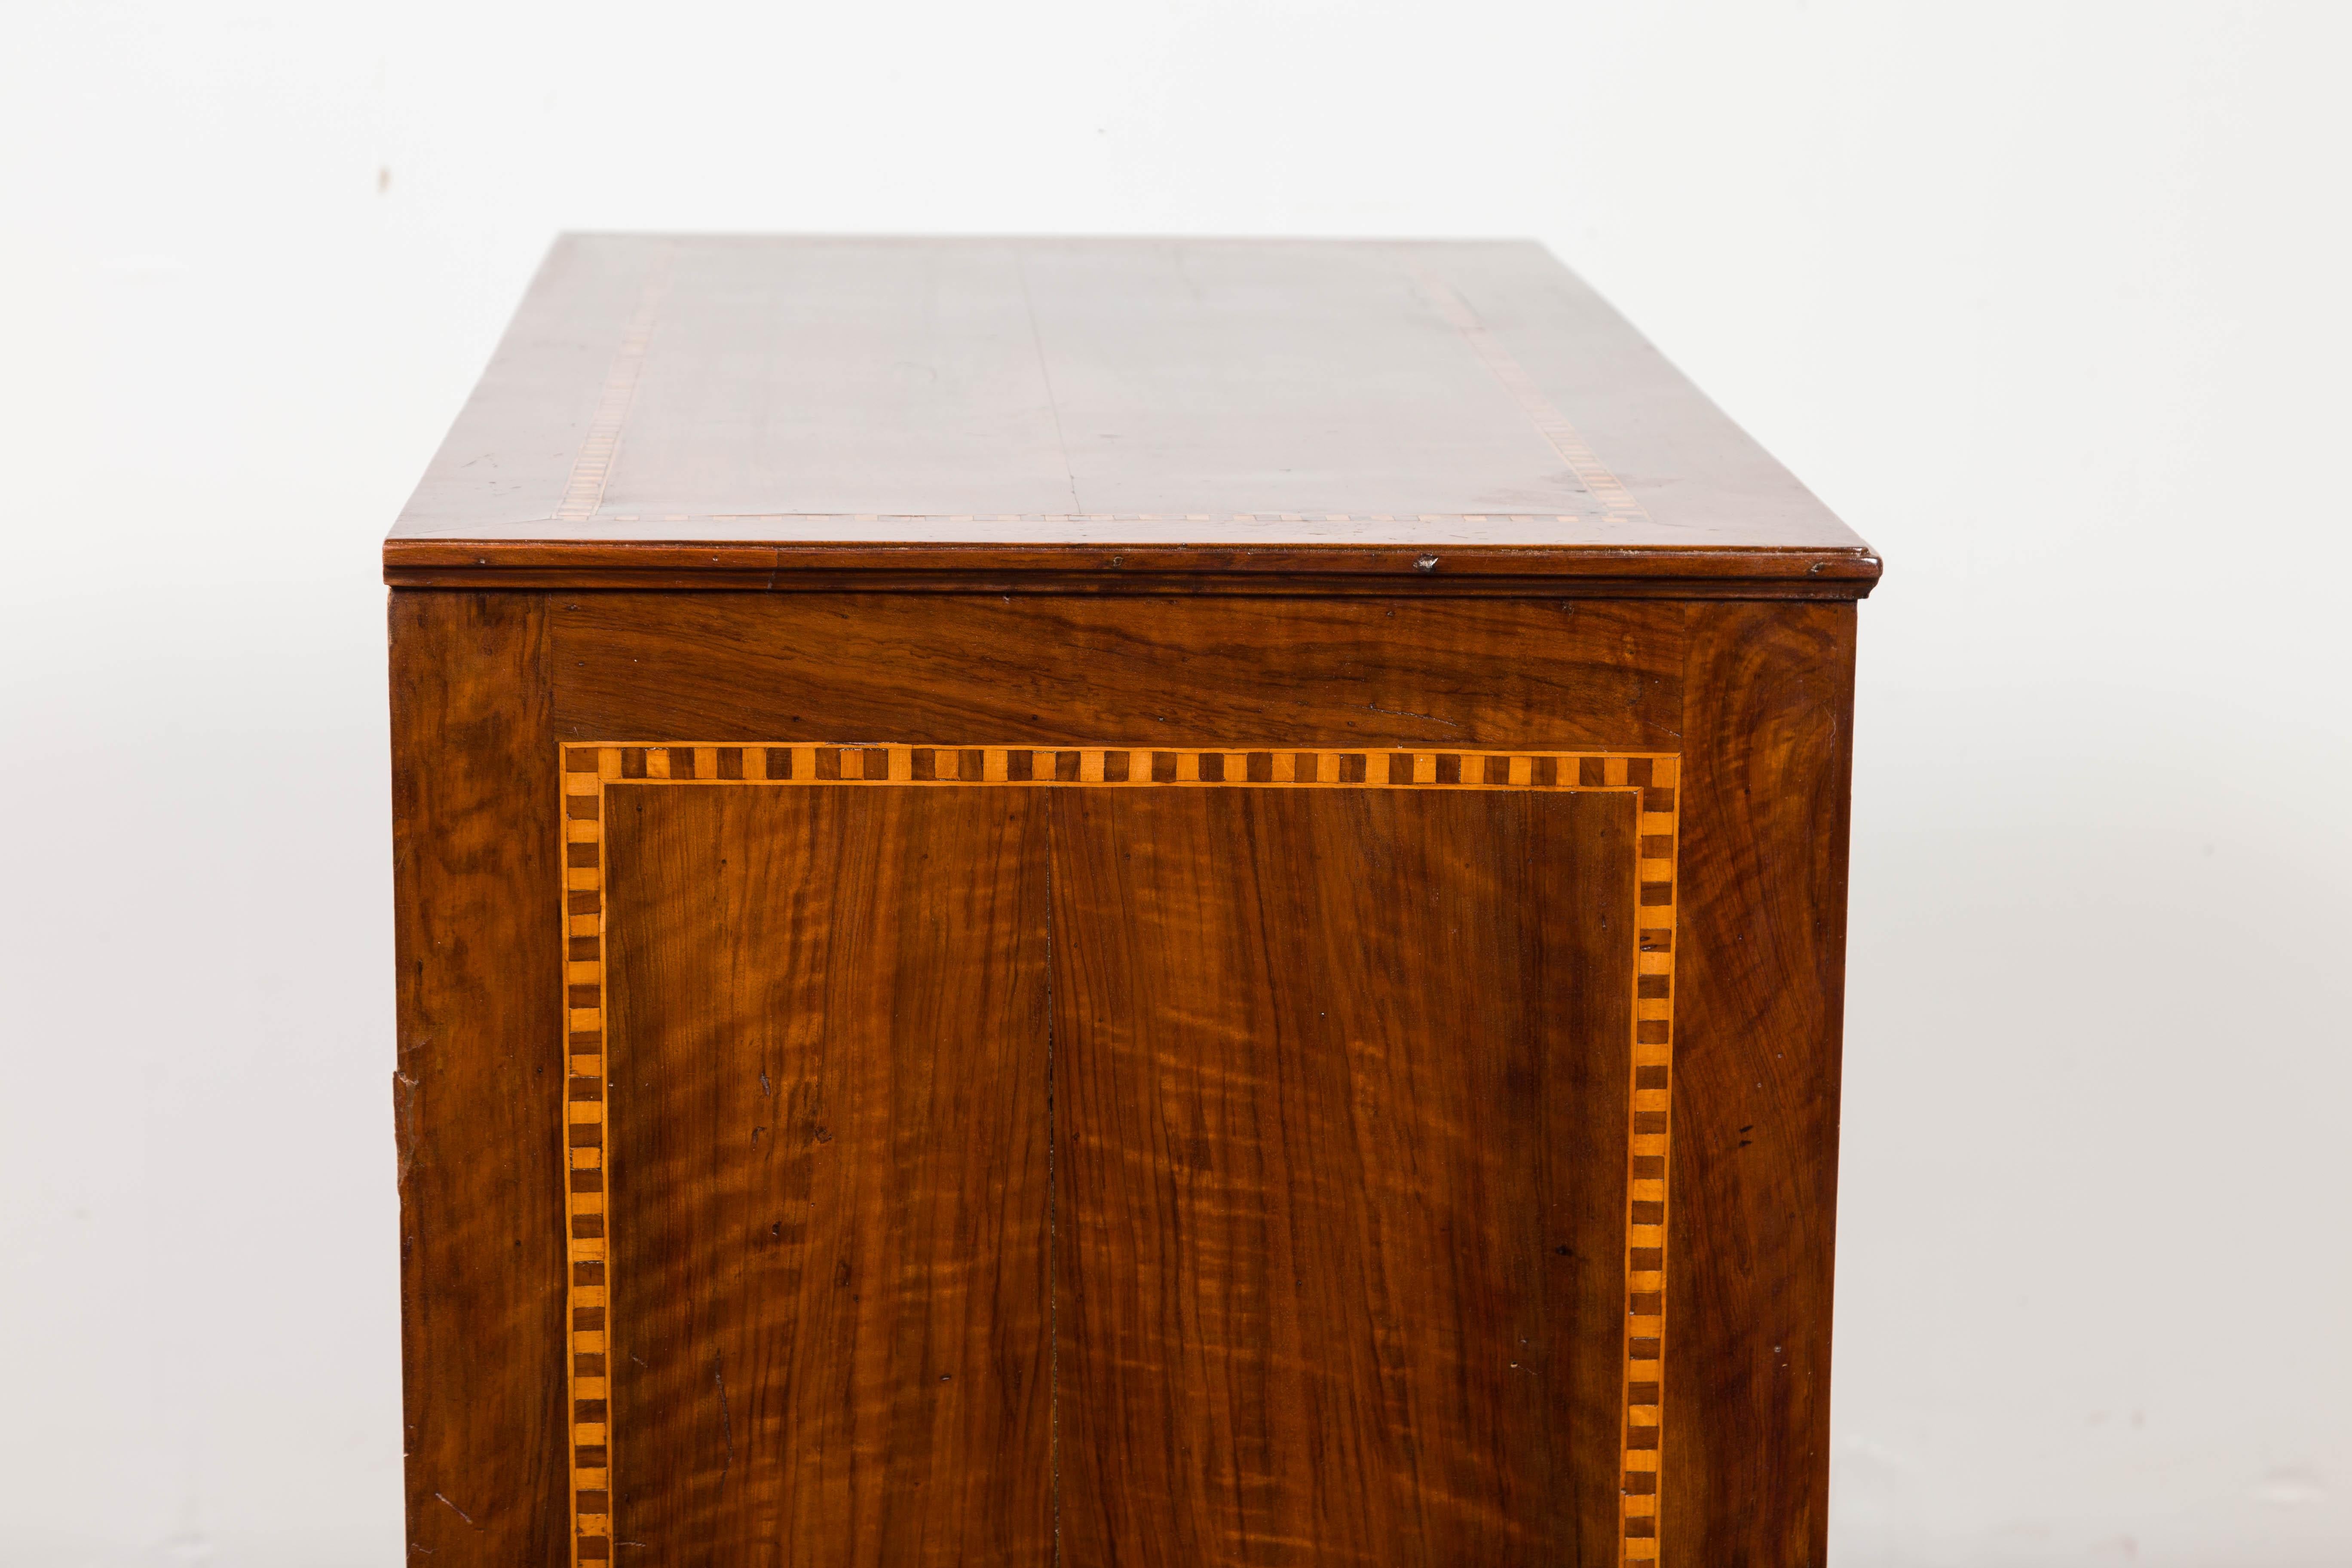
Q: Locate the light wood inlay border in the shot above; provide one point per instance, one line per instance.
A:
(588, 770)
(1617, 502)
(592, 468)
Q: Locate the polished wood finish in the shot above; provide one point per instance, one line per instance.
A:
(1344, 1086)
(1486, 1283)
(477, 852)
(1428, 568)
(1113, 417)
(1551, 674)
(939, 1025)
(828, 1218)
(1768, 715)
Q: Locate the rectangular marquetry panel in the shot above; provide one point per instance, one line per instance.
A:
(1326, 1219)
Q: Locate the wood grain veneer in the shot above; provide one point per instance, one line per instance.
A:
(1097, 416)
(1487, 1301)
(476, 851)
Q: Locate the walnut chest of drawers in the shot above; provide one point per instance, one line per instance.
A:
(1112, 902)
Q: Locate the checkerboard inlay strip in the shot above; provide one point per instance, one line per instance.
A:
(588, 770)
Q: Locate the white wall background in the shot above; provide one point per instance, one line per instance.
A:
(2049, 301)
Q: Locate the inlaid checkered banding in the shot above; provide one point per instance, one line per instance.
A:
(588, 770)
(583, 1134)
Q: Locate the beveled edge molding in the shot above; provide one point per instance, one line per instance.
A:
(1108, 567)
(586, 771)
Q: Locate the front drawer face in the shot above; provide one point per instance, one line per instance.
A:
(1163, 1156)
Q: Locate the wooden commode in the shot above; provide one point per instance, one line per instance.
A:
(1089, 903)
